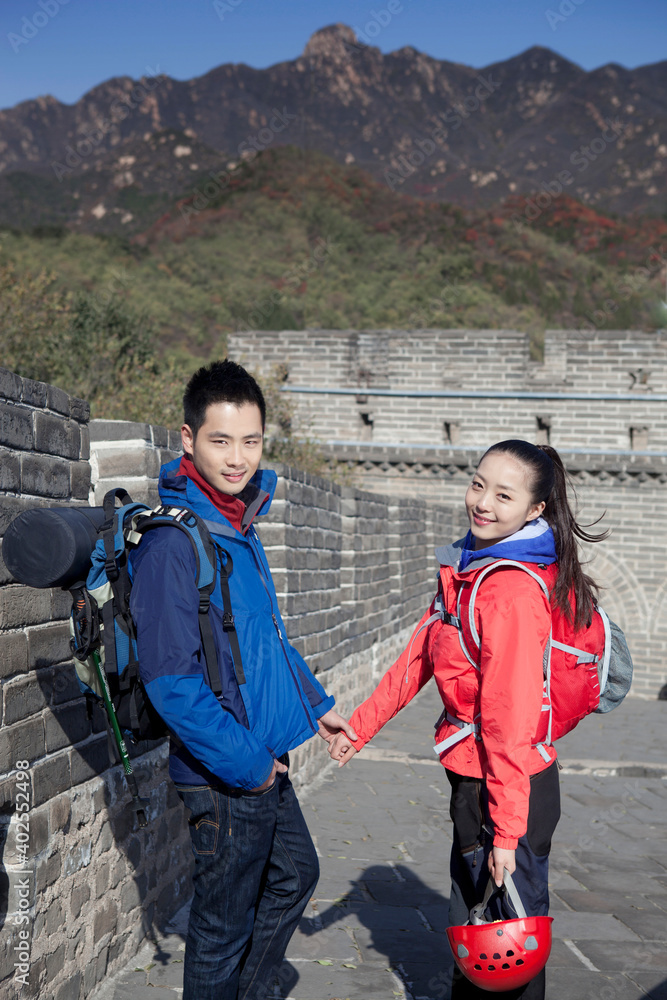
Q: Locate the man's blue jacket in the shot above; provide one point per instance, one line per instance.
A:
(234, 738)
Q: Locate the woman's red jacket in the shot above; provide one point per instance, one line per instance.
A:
(504, 693)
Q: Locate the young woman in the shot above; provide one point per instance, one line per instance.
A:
(505, 800)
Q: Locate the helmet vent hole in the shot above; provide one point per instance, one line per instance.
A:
(483, 956)
(509, 953)
(496, 956)
(479, 968)
(491, 968)
(519, 961)
(505, 965)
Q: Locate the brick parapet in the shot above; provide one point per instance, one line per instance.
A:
(94, 886)
(362, 386)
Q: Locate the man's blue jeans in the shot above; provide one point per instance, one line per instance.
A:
(255, 870)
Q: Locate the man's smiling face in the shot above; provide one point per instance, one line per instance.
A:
(227, 449)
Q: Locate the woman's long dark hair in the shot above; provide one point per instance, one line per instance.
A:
(548, 482)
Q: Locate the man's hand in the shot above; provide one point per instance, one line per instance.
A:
(341, 749)
(332, 724)
(277, 768)
(499, 859)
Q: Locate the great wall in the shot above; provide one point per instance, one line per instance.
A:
(408, 413)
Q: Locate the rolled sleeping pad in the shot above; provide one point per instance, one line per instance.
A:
(51, 546)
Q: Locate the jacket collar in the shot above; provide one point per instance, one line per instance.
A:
(183, 492)
(532, 543)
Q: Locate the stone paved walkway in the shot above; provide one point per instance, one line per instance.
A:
(376, 927)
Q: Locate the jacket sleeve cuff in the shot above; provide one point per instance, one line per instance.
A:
(258, 775)
(506, 843)
(324, 706)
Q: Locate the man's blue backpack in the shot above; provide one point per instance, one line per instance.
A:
(101, 623)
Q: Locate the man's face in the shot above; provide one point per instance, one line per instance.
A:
(228, 447)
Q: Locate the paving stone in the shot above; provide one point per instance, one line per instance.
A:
(591, 926)
(655, 985)
(403, 943)
(319, 982)
(595, 902)
(169, 973)
(572, 984)
(625, 883)
(374, 919)
(625, 957)
(403, 893)
(312, 943)
(563, 957)
(649, 923)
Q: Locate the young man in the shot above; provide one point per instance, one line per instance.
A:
(255, 864)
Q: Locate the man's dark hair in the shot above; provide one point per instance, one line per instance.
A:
(219, 382)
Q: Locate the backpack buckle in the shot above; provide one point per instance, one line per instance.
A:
(451, 619)
(228, 622)
(111, 569)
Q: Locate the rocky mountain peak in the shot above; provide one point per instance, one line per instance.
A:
(331, 42)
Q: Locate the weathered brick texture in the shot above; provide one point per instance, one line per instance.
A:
(382, 386)
(78, 804)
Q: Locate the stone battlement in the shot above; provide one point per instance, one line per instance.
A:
(468, 388)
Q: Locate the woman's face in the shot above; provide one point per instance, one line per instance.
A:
(498, 500)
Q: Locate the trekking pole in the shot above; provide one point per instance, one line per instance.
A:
(137, 801)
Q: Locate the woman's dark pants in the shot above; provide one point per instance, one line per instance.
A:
(469, 810)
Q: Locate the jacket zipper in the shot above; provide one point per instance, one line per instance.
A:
(280, 635)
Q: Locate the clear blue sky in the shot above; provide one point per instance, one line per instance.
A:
(79, 43)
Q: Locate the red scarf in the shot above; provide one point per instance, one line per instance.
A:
(229, 506)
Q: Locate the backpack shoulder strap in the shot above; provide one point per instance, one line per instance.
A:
(206, 569)
(499, 564)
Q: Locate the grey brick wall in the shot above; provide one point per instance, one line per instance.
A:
(461, 362)
(95, 882)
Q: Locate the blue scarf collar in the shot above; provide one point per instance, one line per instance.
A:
(533, 543)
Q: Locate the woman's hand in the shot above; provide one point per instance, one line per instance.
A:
(499, 859)
(341, 749)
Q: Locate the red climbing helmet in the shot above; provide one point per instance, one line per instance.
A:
(501, 955)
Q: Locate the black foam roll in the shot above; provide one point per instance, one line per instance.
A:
(51, 546)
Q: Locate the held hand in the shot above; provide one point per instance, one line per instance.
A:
(332, 724)
(277, 768)
(341, 749)
(499, 859)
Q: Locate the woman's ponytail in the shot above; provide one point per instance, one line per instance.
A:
(549, 483)
(566, 529)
